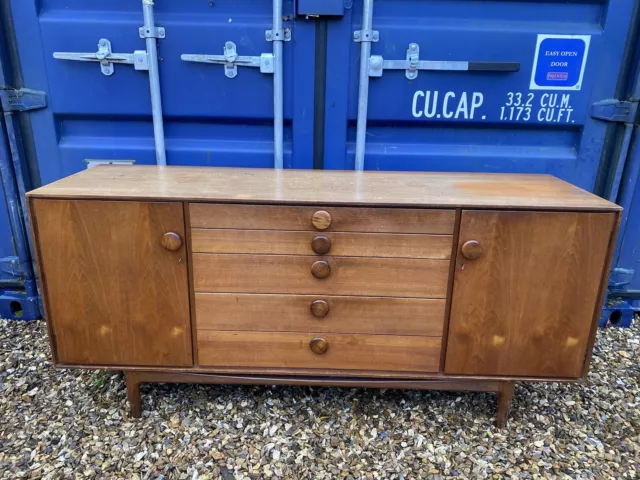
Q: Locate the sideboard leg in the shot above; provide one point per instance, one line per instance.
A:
(504, 403)
(133, 392)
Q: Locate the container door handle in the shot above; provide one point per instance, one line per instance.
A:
(412, 65)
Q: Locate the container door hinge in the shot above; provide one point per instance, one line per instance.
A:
(21, 100)
(14, 267)
(614, 110)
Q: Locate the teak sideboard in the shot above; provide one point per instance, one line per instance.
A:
(447, 281)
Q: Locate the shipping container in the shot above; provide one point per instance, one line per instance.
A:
(437, 85)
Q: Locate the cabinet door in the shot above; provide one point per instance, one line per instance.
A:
(524, 306)
(114, 294)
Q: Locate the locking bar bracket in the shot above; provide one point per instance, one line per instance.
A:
(283, 35)
(107, 59)
(360, 36)
(152, 32)
(412, 65)
(231, 60)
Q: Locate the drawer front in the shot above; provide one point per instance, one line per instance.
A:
(294, 350)
(313, 243)
(336, 219)
(380, 277)
(317, 313)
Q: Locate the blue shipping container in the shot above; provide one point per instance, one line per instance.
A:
(439, 85)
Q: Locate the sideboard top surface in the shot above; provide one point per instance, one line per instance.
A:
(268, 186)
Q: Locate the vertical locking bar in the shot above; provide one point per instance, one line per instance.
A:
(154, 81)
(278, 87)
(363, 94)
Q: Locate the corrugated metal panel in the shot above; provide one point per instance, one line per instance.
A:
(454, 85)
(209, 119)
(480, 120)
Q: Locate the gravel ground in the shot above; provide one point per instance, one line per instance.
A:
(75, 424)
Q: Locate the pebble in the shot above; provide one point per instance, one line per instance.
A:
(76, 424)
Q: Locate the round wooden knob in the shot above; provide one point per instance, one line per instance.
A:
(472, 250)
(320, 308)
(172, 241)
(320, 269)
(319, 346)
(321, 245)
(321, 220)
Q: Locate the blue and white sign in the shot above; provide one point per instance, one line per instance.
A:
(560, 62)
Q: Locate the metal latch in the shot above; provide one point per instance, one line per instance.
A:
(231, 60)
(21, 100)
(412, 65)
(614, 110)
(139, 59)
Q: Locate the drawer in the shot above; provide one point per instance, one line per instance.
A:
(336, 219)
(379, 277)
(344, 352)
(317, 313)
(321, 243)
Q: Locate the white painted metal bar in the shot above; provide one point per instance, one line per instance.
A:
(278, 85)
(426, 65)
(363, 95)
(154, 81)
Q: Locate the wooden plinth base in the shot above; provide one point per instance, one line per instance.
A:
(503, 388)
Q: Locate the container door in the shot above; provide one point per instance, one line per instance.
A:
(464, 85)
(209, 118)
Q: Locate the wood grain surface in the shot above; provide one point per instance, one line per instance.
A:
(115, 296)
(604, 283)
(525, 307)
(292, 313)
(341, 244)
(412, 382)
(292, 350)
(344, 219)
(385, 277)
(230, 185)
